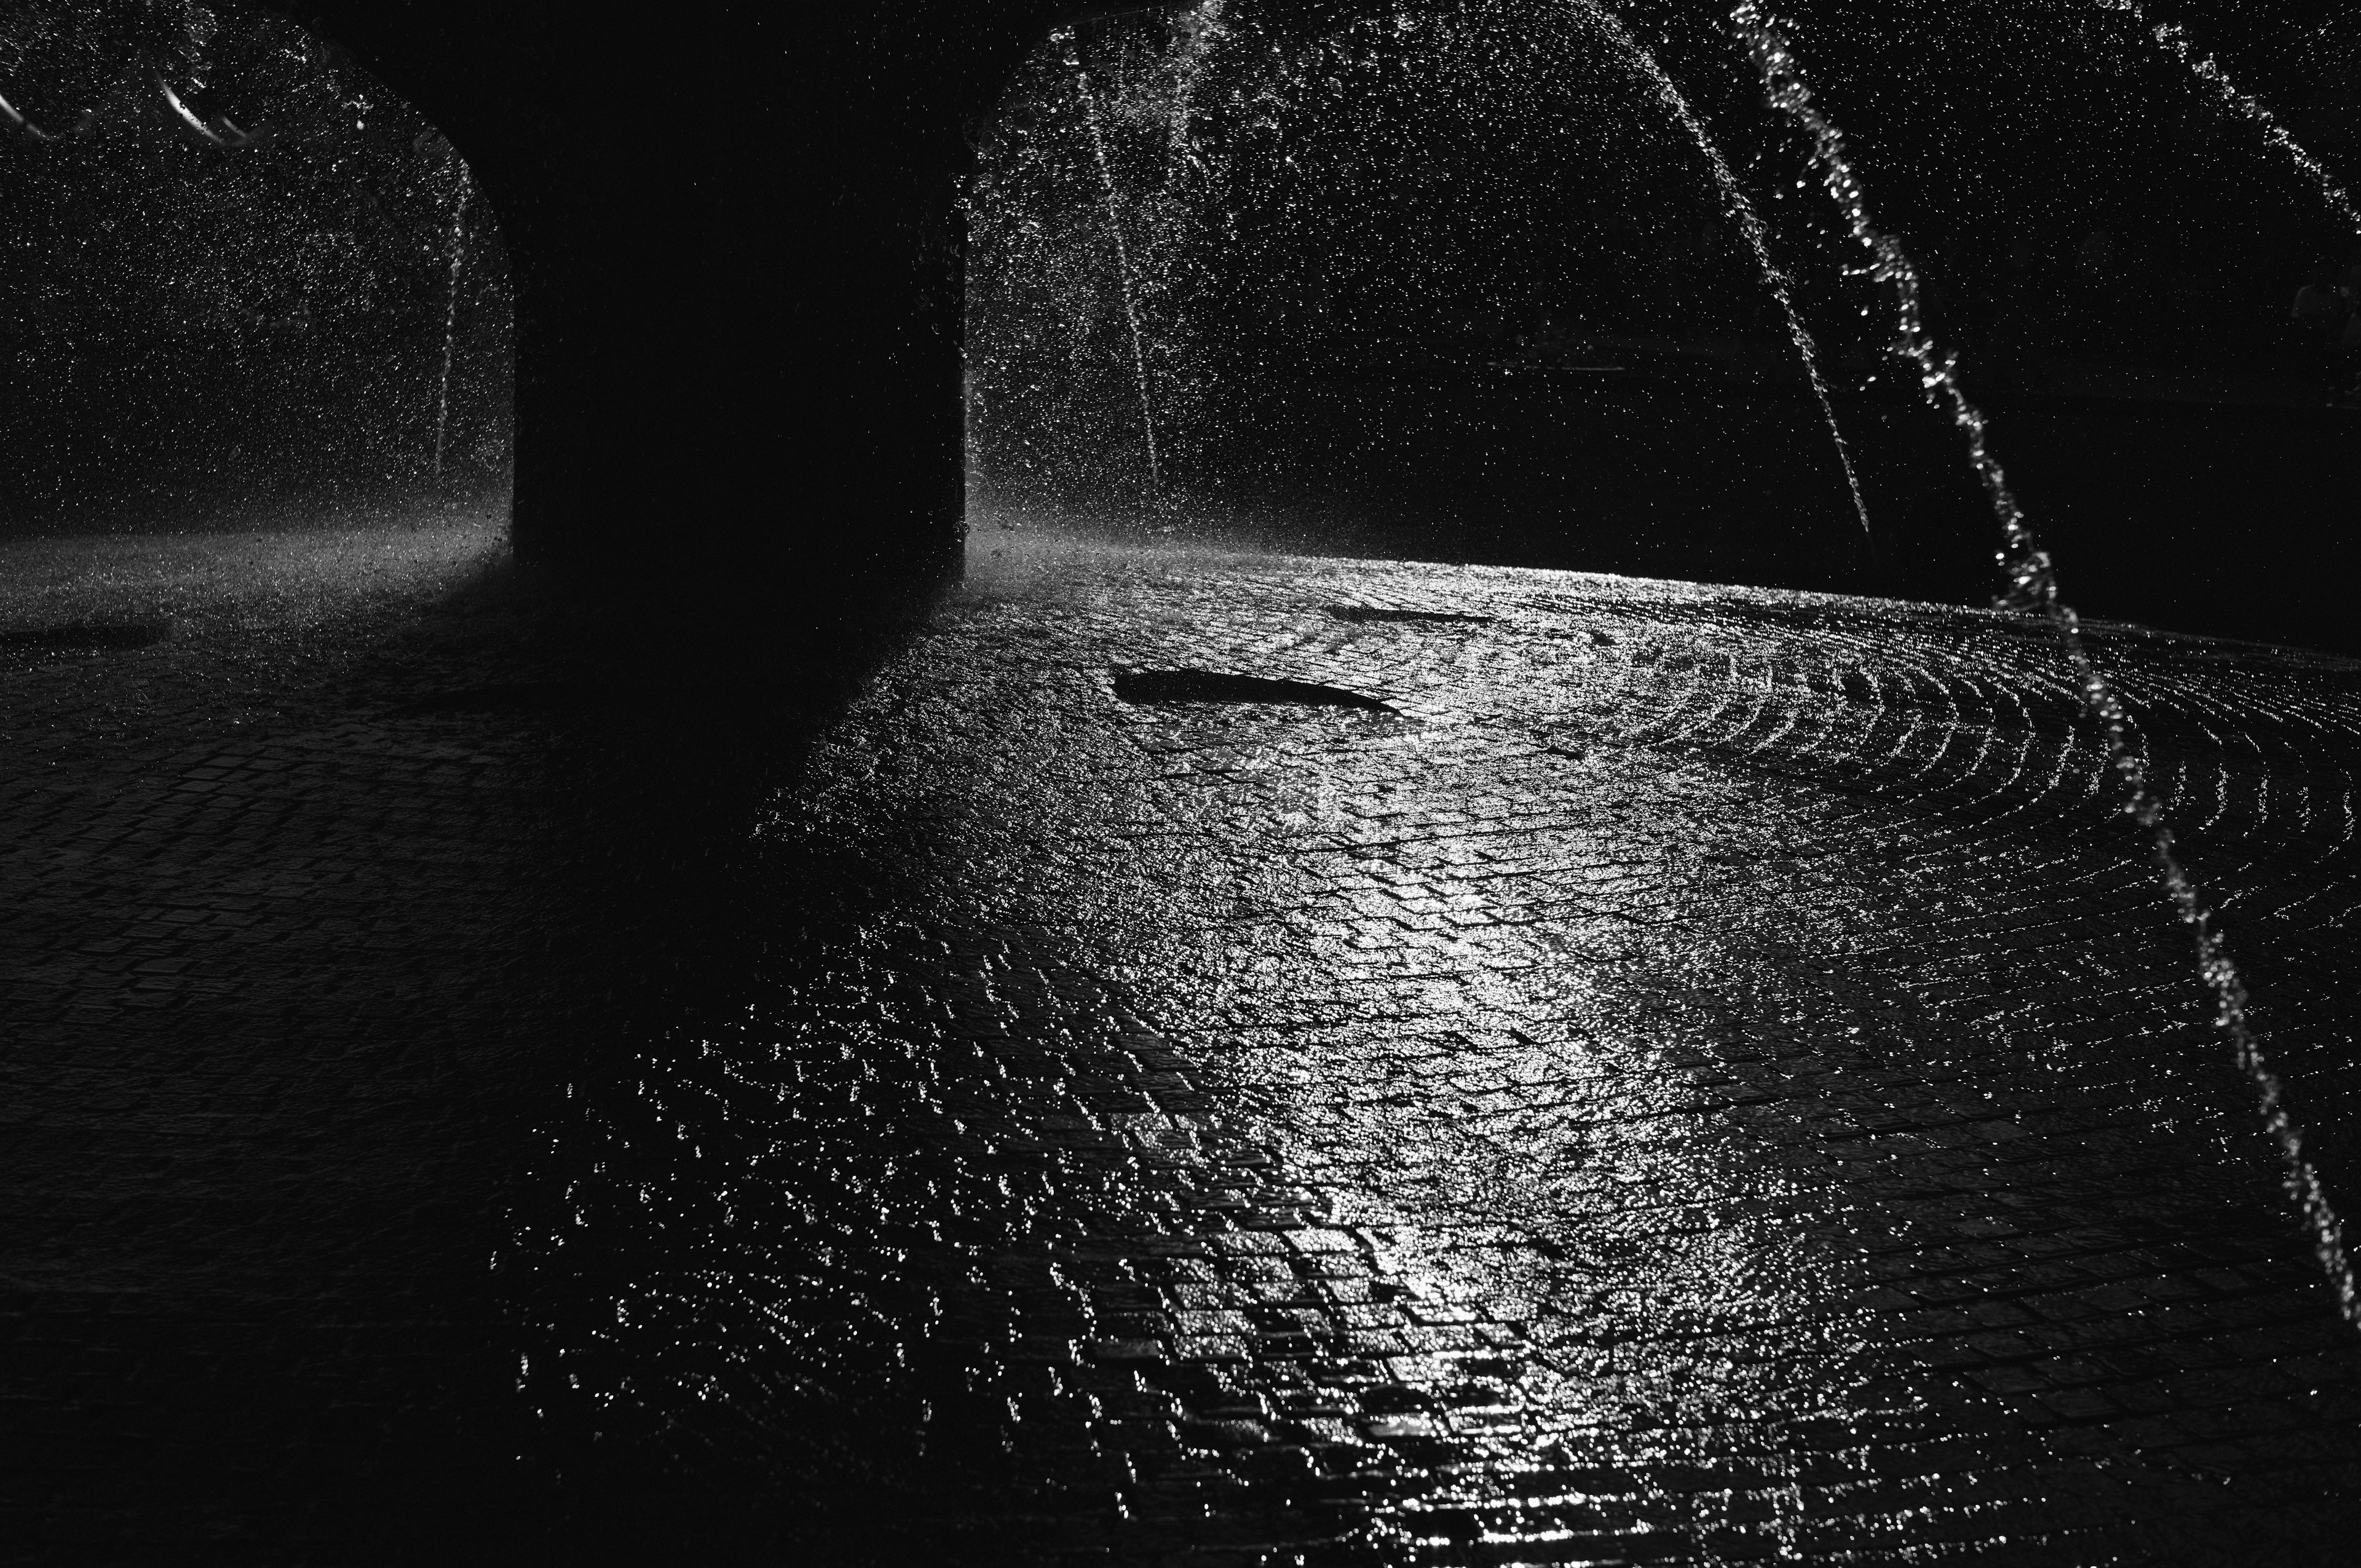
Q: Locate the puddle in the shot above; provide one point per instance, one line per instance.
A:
(1361, 614)
(1208, 686)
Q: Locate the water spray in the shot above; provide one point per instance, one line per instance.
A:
(2032, 589)
(1073, 53)
(2174, 40)
(451, 314)
(1750, 224)
(1198, 32)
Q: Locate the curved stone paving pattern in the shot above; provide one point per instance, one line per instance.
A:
(1711, 1076)
(1707, 1078)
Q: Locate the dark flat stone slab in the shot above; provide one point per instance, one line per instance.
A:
(1214, 685)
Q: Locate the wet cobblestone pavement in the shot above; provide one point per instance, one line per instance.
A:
(1584, 1070)
(259, 959)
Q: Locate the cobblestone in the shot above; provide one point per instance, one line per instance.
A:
(257, 960)
(1697, 1076)
(1702, 1075)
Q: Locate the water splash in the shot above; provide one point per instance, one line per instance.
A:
(2033, 587)
(2171, 38)
(1750, 224)
(451, 315)
(1071, 51)
(1196, 34)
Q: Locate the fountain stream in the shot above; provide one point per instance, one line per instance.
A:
(1199, 31)
(451, 317)
(1069, 45)
(2033, 587)
(2171, 38)
(1750, 224)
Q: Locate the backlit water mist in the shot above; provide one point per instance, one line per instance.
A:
(1261, 208)
(1245, 244)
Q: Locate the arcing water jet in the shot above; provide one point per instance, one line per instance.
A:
(1750, 224)
(2033, 588)
(2171, 38)
(1123, 278)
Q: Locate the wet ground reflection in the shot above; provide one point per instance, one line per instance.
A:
(1698, 1074)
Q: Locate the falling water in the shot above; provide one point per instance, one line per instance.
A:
(450, 318)
(2171, 37)
(2033, 586)
(1750, 223)
(1197, 33)
(1066, 42)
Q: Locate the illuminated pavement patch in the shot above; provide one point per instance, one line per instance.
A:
(1697, 1075)
(1694, 1075)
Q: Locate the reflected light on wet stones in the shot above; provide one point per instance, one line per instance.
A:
(1374, 1062)
(1196, 1053)
(1644, 1089)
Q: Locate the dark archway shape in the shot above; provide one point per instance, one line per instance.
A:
(734, 236)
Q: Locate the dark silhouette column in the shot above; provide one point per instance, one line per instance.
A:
(735, 241)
